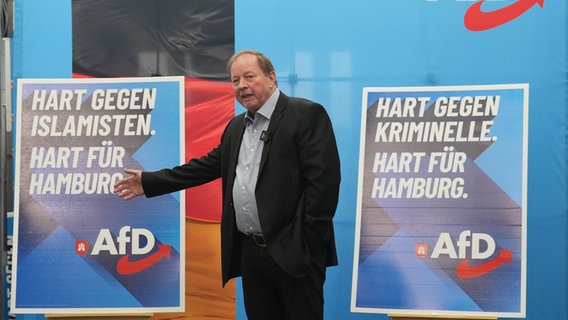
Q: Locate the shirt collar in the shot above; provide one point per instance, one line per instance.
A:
(266, 109)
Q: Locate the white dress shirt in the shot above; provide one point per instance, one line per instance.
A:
(244, 200)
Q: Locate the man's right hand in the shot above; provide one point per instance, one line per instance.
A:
(129, 187)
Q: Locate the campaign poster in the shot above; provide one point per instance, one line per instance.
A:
(78, 247)
(441, 205)
(7, 268)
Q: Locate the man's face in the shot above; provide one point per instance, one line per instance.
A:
(250, 85)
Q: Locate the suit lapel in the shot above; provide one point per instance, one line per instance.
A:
(281, 106)
(235, 145)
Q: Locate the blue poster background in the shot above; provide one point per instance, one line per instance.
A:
(50, 221)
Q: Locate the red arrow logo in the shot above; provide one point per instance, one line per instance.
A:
(477, 20)
(126, 267)
(466, 271)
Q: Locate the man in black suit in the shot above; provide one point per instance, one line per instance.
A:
(280, 173)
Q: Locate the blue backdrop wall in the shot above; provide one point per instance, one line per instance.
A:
(329, 50)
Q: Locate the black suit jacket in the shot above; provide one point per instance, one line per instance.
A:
(296, 192)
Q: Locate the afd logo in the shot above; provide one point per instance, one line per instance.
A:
(129, 242)
(476, 19)
(480, 246)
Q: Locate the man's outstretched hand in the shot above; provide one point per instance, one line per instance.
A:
(129, 187)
